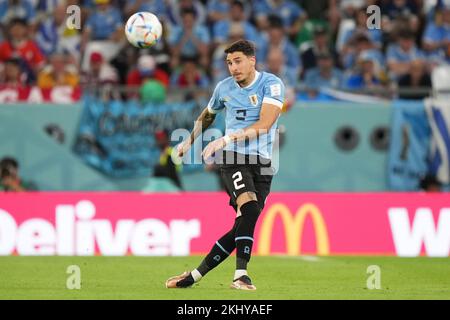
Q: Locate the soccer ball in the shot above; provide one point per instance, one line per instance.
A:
(143, 29)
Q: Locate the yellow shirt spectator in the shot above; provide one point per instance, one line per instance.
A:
(58, 73)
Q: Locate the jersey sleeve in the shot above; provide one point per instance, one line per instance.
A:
(274, 92)
(215, 104)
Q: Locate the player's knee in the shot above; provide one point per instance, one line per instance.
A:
(250, 213)
(246, 197)
(248, 206)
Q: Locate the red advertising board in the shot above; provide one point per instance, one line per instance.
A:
(36, 95)
(403, 224)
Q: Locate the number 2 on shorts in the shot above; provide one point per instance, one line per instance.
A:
(237, 177)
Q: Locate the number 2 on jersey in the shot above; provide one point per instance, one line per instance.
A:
(237, 177)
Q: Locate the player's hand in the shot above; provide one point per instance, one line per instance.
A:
(183, 148)
(212, 148)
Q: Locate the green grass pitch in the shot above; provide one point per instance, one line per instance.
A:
(277, 277)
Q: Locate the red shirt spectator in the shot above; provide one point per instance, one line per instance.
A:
(146, 69)
(99, 72)
(19, 46)
(12, 74)
(189, 75)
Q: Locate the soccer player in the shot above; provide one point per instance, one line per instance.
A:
(253, 101)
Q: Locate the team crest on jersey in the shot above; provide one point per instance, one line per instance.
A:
(253, 99)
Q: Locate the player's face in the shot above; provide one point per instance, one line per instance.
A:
(240, 66)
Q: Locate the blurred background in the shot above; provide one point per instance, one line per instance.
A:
(83, 110)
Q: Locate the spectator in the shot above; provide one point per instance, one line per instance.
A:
(430, 183)
(417, 78)
(13, 75)
(276, 38)
(320, 45)
(333, 15)
(146, 70)
(157, 7)
(17, 9)
(60, 72)
(20, 46)
(190, 39)
(375, 35)
(444, 57)
(275, 64)
(347, 19)
(437, 34)
(105, 23)
(341, 12)
(360, 43)
(315, 10)
(217, 10)
(176, 8)
(100, 72)
(189, 75)
(325, 75)
(348, 8)
(219, 68)
(396, 10)
(221, 29)
(53, 35)
(166, 166)
(124, 61)
(365, 75)
(10, 178)
(400, 54)
(291, 15)
(47, 7)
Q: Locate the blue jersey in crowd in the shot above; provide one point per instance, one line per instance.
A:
(243, 107)
(104, 23)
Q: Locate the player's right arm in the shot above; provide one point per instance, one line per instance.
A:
(202, 123)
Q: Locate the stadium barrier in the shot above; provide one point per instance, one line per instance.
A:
(117, 224)
(312, 133)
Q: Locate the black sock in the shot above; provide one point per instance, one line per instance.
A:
(244, 233)
(186, 282)
(220, 251)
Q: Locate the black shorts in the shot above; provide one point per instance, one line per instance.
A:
(246, 174)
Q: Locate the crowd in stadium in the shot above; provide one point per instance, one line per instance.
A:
(316, 44)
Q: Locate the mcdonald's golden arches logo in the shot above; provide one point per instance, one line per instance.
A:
(293, 228)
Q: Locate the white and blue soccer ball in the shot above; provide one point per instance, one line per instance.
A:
(143, 29)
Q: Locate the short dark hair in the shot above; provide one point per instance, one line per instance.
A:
(275, 21)
(188, 59)
(9, 162)
(14, 61)
(405, 34)
(429, 180)
(238, 3)
(360, 37)
(16, 20)
(244, 46)
(190, 11)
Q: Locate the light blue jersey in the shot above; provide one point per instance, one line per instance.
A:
(243, 106)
